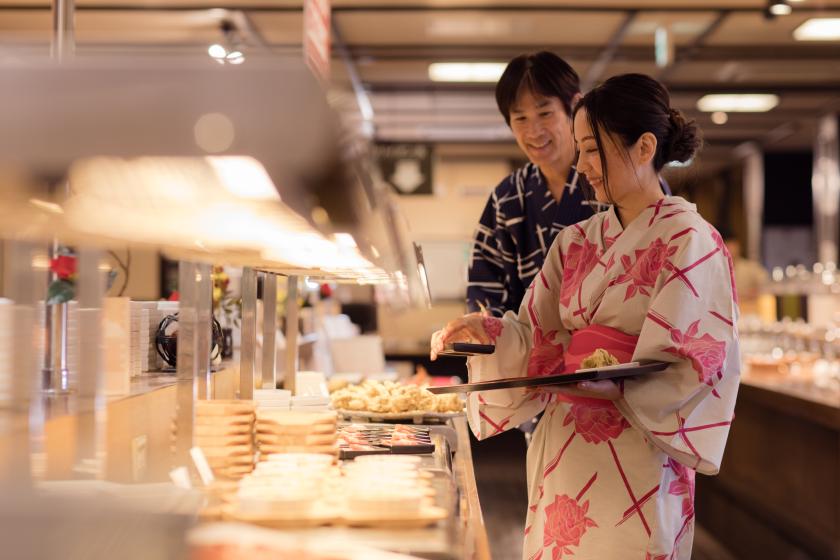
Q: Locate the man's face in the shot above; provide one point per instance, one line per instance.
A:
(541, 127)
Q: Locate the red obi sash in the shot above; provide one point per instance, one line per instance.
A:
(585, 341)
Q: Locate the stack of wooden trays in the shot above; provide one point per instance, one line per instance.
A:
(224, 430)
(296, 432)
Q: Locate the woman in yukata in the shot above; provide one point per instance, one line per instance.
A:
(611, 467)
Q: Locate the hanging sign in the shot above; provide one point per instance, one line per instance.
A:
(406, 167)
(316, 36)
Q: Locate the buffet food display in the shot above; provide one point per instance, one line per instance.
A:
(388, 397)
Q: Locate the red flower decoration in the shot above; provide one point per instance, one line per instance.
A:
(64, 266)
(493, 327)
(565, 524)
(720, 244)
(683, 486)
(705, 352)
(596, 423)
(642, 273)
(578, 262)
(546, 357)
(174, 296)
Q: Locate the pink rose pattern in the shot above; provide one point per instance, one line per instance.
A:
(565, 523)
(642, 272)
(546, 357)
(597, 423)
(725, 250)
(705, 352)
(683, 486)
(493, 327)
(578, 262)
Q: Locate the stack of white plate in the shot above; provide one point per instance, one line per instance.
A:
(272, 399)
(310, 404)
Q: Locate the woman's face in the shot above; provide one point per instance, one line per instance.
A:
(541, 128)
(621, 174)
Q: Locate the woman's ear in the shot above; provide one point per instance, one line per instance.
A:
(646, 144)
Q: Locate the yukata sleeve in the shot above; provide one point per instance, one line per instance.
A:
(687, 409)
(528, 343)
(488, 279)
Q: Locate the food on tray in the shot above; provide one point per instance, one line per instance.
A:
(390, 397)
(599, 358)
(336, 383)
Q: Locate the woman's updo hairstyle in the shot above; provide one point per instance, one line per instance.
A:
(629, 105)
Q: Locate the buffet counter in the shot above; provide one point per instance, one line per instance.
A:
(138, 449)
(778, 493)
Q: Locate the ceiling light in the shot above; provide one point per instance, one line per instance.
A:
(719, 117)
(780, 9)
(217, 51)
(818, 29)
(466, 71)
(235, 57)
(738, 102)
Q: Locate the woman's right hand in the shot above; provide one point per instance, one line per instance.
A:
(468, 328)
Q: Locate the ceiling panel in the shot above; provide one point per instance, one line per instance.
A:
(754, 29)
(685, 27)
(282, 28)
(147, 27)
(469, 27)
(802, 72)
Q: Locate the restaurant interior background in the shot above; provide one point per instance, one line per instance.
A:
(767, 175)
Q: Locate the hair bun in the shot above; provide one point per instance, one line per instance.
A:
(684, 139)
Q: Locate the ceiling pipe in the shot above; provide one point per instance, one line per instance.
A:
(63, 39)
(608, 54)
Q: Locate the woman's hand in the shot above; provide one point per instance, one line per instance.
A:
(606, 389)
(468, 328)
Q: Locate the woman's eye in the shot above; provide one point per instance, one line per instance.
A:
(590, 150)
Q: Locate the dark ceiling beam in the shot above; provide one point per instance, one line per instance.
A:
(642, 53)
(699, 41)
(605, 58)
(678, 88)
(676, 6)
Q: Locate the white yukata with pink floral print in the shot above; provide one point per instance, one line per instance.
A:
(616, 480)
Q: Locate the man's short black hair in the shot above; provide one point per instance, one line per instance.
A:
(543, 73)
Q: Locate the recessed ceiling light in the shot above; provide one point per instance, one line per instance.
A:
(719, 117)
(466, 71)
(738, 102)
(818, 29)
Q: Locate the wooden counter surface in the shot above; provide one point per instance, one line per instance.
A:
(778, 493)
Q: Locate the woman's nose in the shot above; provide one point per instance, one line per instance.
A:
(580, 164)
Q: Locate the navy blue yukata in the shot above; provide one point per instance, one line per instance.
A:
(516, 229)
